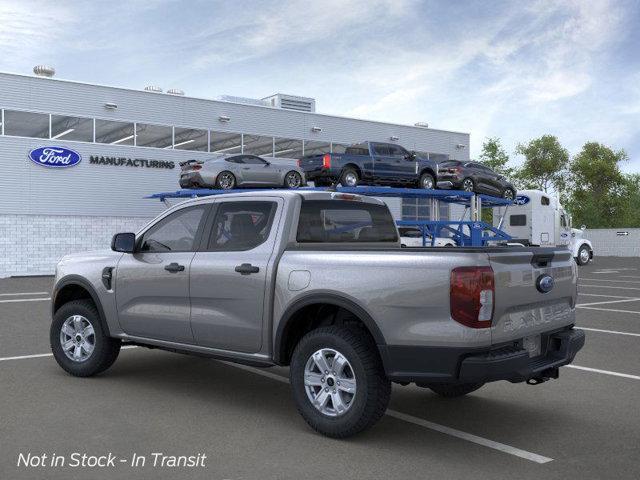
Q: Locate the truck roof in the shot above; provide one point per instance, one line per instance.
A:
(284, 193)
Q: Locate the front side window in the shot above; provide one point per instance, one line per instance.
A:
(174, 233)
(241, 225)
(253, 160)
(381, 149)
(345, 221)
(544, 201)
(517, 220)
(397, 151)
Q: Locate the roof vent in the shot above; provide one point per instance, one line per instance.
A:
(44, 71)
(292, 102)
(422, 124)
(175, 91)
(153, 88)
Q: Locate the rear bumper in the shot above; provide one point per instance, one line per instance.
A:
(460, 365)
(192, 180)
(320, 174)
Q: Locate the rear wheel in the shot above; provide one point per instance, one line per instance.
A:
(292, 179)
(427, 181)
(584, 255)
(225, 181)
(454, 390)
(78, 342)
(468, 185)
(508, 194)
(349, 178)
(338, 381)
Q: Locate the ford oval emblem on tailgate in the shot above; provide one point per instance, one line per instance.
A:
(545, 283)
(57, 157)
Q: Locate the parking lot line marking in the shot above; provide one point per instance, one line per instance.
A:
(23, 293)
(608, 301)
(607, 286)
(17, 300)
(608, 309)
(533, 457)
(610, 331)
(607, 280)
(601, 295)
(606, 372)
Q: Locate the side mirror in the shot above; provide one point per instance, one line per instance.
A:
(267, 164)
(123, 242)
(583, 227)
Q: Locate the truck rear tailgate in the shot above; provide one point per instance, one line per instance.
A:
(523, 309)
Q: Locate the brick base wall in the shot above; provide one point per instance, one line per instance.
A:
(33, 244)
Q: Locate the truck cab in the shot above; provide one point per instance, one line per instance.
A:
(538, 219)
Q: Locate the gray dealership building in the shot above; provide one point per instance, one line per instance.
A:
(129, 144)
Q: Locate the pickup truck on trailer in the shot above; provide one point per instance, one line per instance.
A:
(318, 281)
(371, 163)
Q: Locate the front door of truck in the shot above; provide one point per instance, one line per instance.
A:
(152, 284)
(382, 163)
(229, 275)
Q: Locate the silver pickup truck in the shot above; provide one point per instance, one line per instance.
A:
(318, 281)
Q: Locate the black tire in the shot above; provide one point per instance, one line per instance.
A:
(468, 185)
(346, 174)
(298, 177)
(509, 193)
(105, 351)
(454, 390)
(426, 178)
(581, 255)
(221, 181)
(373, 387)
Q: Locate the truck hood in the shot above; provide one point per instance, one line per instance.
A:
(90, 256)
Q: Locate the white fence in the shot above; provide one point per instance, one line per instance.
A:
(614, 242)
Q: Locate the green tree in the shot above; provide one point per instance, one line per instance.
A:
(545, 164)
(495, 157)
(600, 194)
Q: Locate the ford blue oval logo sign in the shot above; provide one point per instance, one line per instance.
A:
(521, 200)
(56, 157)
(545, 283)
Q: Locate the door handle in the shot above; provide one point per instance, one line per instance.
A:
(247, 269)
(246, 168)
(174, 267)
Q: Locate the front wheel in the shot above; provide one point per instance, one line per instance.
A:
(338, 381)
(454, 390)
(293, 179)
(78, 342)
(427, 181)
(468, 185)
(508, 194)
(584, 255)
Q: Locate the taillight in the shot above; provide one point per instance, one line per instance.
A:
(326, 161)
(299, 162)
(472, 296)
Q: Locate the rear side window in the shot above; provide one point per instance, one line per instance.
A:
(357, 150)
(544, 200)
(345, 221)
(241, 225)
(517, 220)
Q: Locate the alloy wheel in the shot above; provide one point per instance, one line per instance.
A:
(293, 180)
(226, 181)
(330, 382)
(584, 255)
(467, 185)
(351, 179)
(427, 182)
(508, 194)
(77, 338)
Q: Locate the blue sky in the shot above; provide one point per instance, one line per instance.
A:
(513, 69)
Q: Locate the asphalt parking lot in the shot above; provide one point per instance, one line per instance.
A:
(584, 425)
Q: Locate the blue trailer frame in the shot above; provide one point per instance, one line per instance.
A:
(466, 233)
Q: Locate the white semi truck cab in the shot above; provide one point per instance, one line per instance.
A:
(538, 219)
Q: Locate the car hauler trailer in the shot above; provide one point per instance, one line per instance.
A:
(538, 219)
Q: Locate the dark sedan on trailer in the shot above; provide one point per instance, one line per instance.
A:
(474, 177)
(230, 171)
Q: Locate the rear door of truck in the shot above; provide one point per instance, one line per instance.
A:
(527, 303)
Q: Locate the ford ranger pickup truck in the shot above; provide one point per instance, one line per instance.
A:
(318, 281)
(371, 163)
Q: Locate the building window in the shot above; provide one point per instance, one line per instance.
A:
(258, 145)
(287, 148)
(26, 124)
(114, 133)
(190, 139)
(316, 148)
(224, 142)
(157, 136)
(71, 128)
